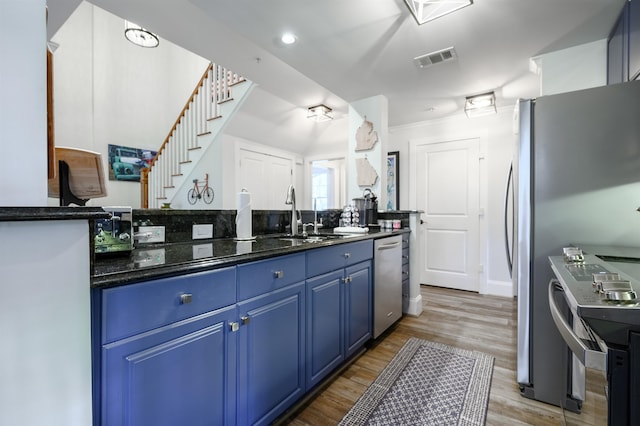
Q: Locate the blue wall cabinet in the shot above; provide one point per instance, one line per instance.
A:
(167, 354)
(623, 48)
(339, 306)
(634, 39)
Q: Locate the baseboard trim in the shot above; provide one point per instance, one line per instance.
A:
(499, 288)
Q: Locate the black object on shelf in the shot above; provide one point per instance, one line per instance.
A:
(66, 195)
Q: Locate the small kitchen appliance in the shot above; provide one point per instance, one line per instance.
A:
(367, 207)
(114, 235)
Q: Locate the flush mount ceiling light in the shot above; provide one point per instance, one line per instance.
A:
(288, 38)
(319, 113)
(479, 105)
(428, 10)
(139, 36)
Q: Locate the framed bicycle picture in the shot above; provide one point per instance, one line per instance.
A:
(393, 180)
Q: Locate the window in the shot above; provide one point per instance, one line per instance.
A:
(327, 184)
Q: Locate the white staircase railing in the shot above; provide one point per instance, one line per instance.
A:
(187, 136)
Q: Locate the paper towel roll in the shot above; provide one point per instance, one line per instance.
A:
(243, 217)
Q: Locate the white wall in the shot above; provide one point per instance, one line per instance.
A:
(110, 91)
(23, 103)
(574, 68)
(375, 110)
(497, 147)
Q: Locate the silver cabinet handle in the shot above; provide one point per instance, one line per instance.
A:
(234, 326)
(278, 274)
(245, 320)
(347, 255)
(186, 298)
(590, 357)
(347, 280)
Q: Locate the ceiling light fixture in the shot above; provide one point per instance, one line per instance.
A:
(288, 38)
(479, 105)
(140, 36)
(428, 10)
(319, 113)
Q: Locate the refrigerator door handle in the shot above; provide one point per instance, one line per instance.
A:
(508, 244)
(588, 352)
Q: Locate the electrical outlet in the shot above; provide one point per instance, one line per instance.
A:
(202, 231)
(151, 234)
(202, 250)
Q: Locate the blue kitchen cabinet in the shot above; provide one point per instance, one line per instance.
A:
(623, 48)
(168, 355)
(634, 39)
(271, 339)
(339, 306)
(617, 45)
(358, 307)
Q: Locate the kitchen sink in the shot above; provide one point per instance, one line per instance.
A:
(311, 238)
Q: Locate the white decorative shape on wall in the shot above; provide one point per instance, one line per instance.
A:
(366, 137)
(367, 175)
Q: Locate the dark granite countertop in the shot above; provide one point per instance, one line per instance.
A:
(23, 214)
(161, 260)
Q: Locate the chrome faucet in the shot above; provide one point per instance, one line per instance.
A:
(291, 199)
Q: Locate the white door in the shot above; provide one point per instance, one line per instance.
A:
(447, 190)
(266, 177)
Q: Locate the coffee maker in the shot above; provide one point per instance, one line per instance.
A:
(367, 207)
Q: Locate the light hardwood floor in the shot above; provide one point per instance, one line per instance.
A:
(465, 320)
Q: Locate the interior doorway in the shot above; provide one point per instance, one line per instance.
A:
(447, 191)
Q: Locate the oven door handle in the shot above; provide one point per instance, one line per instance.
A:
(588, 352)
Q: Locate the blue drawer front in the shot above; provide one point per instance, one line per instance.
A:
(326, 259)
(261, 277)
(136, 308)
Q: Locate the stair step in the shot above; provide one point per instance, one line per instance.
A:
(161, 198)
(195, 148)
(225, 101)
(202, 134)
(169, 187)
(176, 175)
(185, 162)
(237, 82)
(214, 118)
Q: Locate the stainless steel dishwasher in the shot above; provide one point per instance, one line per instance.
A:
(387, 283)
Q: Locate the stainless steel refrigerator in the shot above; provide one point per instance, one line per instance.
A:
(577, 180)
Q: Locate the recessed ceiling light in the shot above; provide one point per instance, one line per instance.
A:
(288, 38)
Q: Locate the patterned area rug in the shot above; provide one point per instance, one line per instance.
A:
(427, 383)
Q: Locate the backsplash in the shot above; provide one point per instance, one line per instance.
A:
(178, 223)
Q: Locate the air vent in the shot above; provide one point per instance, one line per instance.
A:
(434, 58)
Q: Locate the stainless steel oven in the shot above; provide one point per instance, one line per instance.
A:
(602, 328)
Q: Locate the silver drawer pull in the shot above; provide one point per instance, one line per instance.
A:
(245, 320)
(234, 326)
(347, 255)
(278, 274)
(405, 257)
(347, 280)
(186, 298)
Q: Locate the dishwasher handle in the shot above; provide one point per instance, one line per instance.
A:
(588, 352)
(388, 246)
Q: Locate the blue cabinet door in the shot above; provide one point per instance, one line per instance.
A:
(634, 39)
(358, 306)
(270, 354)
(325, 325)
(179, 374)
